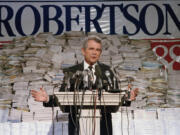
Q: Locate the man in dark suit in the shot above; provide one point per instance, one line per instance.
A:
(91, 51)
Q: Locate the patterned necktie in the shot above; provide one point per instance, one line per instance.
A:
(90, 67)
(92, 75)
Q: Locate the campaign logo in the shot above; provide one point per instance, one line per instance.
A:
(168, 53)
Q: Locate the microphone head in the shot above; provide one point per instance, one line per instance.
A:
(78, 73)
(107, 73)
(85, 72)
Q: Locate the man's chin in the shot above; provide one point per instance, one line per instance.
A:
(93, 62)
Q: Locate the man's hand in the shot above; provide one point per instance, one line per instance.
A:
(40, 96)
(133, 94)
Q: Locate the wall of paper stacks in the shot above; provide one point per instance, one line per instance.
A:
(162, 121)
(37, 61)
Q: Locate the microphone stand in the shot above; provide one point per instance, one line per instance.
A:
(53, 113)
(99, 88)
(116, 80)
(76, 77)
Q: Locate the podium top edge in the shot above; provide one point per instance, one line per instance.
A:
(86, 92)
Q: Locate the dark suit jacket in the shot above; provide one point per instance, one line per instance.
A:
(99, 74)
(80, 67)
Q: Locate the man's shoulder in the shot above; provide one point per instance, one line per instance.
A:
(104, 66)
(74, 68)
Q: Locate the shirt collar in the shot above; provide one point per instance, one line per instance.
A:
(86, 65)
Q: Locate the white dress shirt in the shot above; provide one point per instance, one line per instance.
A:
(86, 66)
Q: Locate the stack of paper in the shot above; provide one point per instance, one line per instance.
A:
(105, 57)
(35, 62)
(173, 93)
(6, 96)
(15, 115)
(4, 114)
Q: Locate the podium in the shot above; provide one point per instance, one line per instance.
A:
(89, 104)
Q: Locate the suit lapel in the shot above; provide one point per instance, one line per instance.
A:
(97, 77)
(81, 66)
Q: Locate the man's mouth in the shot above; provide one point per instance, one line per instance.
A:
(94, 57)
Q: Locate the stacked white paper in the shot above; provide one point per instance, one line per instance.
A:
(36, 62)
(173, 93)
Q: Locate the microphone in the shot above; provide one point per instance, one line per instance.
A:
(107, 73)
(83, 76)
(77, 77)
(114, 82)
(77, 74)
(67, 77)
(85, 79)
(99, 86)
(98, 74)
(70, 74)
(129, 79)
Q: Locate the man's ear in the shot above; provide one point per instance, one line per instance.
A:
(83, 51)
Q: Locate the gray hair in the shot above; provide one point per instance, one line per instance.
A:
(91, 37)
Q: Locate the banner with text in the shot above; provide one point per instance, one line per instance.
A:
(137, 19)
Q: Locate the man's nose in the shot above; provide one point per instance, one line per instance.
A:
(95, 52)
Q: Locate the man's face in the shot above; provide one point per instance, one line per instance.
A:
(92, 52)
